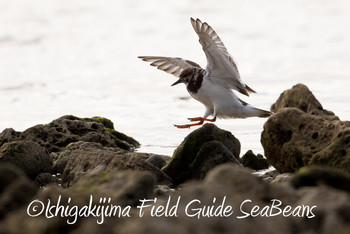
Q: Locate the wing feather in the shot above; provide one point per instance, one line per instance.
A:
(221, 66)
(171, 65)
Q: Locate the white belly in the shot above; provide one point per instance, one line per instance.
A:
(219, 99)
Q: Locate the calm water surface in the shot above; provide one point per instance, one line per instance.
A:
(79, 57)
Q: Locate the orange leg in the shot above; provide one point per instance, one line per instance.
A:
(200, 119)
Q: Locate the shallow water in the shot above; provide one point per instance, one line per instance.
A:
(80, 57)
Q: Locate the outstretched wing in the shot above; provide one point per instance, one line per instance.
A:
(170, 65)
(221, 66)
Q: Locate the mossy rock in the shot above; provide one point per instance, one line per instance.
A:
(27, 155)
(106, 122)
(299, 96)
(293, 139)
(55, 136)
(121, 140)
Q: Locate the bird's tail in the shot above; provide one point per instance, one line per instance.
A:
(249, 111)
(261, 113)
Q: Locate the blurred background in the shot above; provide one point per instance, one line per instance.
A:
(79, 57)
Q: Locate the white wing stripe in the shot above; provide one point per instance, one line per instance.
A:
(221, 66)
(170, 65)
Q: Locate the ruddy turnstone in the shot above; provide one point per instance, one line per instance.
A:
(214, 85)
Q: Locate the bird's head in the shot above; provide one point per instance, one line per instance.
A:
(185, 76)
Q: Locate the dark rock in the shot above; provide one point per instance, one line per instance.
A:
(238, 178)
(27, 155)
(340, 230)
(293, 139)
(331, 212)
(8, 135)
(256, 162)
(136, 162)
(15, 189)
(239, 181)
(159, 226)
(226, 184)
(179, 168)
(20, 222)
(223, 182)
(236, 185)
(84, 158)
(124, 187)
(300, 97)
(8, 174)
(44, 179)
(210, 155)
(157, 161)
(315, 176)
(56, 135)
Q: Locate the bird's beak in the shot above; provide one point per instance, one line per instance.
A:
(177, 82)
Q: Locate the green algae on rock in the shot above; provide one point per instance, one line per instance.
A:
(27, 155)
(302, 133)
(299, 96)
(55, 136)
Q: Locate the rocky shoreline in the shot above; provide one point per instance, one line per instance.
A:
(52, 175)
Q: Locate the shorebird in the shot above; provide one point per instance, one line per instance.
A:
(214, 85)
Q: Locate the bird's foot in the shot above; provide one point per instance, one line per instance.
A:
(183, 126)
(201, 119)
(195, 119)
(189, 125)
